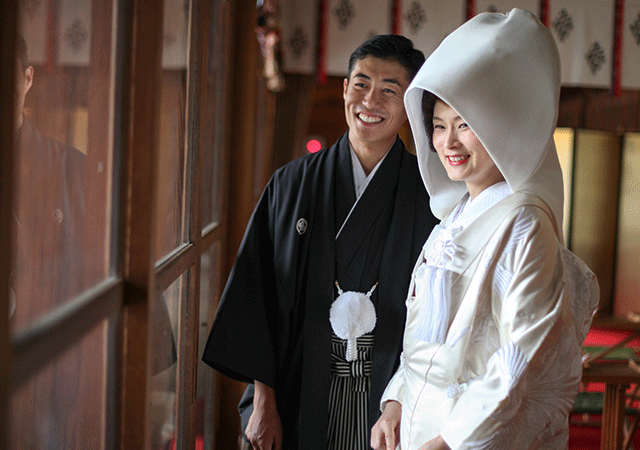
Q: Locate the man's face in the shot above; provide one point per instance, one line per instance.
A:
(24, 80)
(373, 102)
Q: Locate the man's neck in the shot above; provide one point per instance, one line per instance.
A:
(370, 155)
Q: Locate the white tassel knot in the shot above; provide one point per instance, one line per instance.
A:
(352, 315)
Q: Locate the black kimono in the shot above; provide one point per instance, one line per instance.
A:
(272, 324)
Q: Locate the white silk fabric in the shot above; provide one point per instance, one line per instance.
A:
(509, 364)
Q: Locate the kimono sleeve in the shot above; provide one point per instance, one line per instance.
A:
(531, 381)
(241, 344)
(395, 387)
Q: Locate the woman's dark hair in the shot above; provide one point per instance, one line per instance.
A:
(428, 104)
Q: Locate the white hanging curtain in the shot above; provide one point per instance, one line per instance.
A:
(584, 32)
(33, 27)
(630, 63)
(174, 34)
(349, 24)
(73, 40)
(299, 44)
(428, 22)
(504, 6)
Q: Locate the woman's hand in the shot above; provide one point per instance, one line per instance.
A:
(437, 443)
(385, 434)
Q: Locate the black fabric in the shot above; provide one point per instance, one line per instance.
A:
(282, 284)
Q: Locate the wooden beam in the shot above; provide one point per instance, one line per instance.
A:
(48, 338)
(188, 322)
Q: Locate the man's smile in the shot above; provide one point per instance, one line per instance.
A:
(369, 119)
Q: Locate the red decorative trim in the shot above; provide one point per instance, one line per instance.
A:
(323, 17)
(52, 15)
(471, 8)
(544, 12)
(396, 8)
(617, 46)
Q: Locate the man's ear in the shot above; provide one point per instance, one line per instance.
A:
(345, 84)
(28, 78)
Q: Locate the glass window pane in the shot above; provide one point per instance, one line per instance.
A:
(213, 117)
(209, 289)
(62, 204)
(63, 406)
(171, 168)
(164, 354)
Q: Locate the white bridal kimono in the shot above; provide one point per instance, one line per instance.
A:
(497, 308)
(505, 368)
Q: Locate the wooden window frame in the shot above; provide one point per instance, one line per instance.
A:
(124, 299)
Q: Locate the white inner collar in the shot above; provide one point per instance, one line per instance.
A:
(468, 211)
(360, 179)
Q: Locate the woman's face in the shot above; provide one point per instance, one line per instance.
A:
(461, 152)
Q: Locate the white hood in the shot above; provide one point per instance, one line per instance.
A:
(501, 73)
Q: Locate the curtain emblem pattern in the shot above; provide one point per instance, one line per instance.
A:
(30, 7)
(344, 13)
(416, 17)
(635, 29)
(563, 25)
(595, 57)
(76, 36)
(298, 42)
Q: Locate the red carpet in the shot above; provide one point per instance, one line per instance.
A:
(587, 437)
(584, 438)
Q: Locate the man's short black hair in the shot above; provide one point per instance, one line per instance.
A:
(391, 47)
(21, 51)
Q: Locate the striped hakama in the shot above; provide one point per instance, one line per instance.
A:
(349, 395)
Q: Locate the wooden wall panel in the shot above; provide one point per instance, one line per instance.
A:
(599, 109)
(293, 112)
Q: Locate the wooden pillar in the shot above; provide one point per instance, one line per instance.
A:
(613, 416)
(241, 169)
(141, 108)
(9, 14)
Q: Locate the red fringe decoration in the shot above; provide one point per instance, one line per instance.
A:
(396, 8)
(323, 17)
(617, 46)
(544, 12)
(471, 9)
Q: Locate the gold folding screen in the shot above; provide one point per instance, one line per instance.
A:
(626, 297)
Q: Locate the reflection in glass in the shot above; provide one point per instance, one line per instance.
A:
(170, 231)
(213, 119)
(62, 407)
(209, 296)
(62, 200)
(162, 400)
